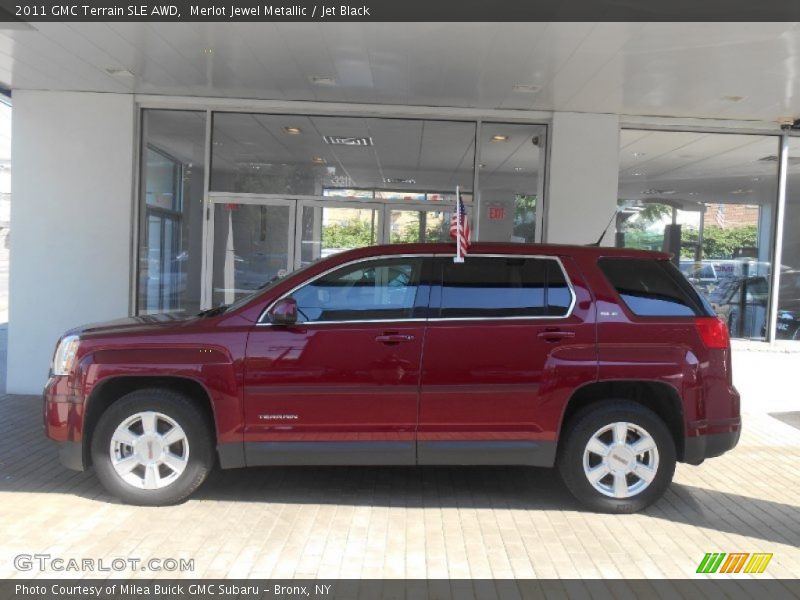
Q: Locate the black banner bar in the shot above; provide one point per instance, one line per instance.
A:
(393, 589)
(22, 11)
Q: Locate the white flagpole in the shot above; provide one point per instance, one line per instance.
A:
(458, 257)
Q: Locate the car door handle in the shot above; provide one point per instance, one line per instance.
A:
(556, 335)
(394, 338)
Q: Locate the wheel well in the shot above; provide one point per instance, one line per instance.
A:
(109, 391)
(659, 397)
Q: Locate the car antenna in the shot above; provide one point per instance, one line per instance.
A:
(602, 235)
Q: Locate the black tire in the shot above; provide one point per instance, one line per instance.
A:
(580, 430)
(199, 447)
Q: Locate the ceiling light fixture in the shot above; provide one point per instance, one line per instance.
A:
(292, 130)
(518, 169)
(499, 138)
(338, 140)
(207, 50)
(638, 154)
(637, 174)
(404, 180)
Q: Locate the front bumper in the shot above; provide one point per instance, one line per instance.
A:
(63, 422)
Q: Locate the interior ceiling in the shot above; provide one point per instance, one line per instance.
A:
(717, 70)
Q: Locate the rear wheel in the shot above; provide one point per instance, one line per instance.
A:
(617, 457)
(152, 447)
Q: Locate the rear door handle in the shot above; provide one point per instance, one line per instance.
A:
(556, 335)
(394, 338)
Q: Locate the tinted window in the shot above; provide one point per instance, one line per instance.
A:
(653, 288)
(504, 287)
(373, 290)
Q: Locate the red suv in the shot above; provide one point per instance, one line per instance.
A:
(603, 362)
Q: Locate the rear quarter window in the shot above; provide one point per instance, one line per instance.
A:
(653, 288)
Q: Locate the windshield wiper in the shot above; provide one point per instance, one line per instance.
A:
(211, 312)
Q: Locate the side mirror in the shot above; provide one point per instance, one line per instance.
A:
(283, 312)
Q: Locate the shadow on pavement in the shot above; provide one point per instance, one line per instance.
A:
(29, 463)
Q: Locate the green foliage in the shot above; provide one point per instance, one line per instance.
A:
(719, 242)
(352, 234)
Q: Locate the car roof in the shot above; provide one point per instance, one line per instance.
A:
(488, 248)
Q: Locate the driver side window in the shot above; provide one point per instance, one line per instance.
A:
(371, 290)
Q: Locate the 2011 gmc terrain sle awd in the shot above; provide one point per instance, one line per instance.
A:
(603, 362)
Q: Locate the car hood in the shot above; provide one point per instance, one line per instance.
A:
(138, 324)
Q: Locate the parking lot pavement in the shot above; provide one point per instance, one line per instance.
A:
(401, 522)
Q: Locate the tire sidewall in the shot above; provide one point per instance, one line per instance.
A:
(584, 425)
(184, 412)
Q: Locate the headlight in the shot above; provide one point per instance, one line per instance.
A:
(65, 355)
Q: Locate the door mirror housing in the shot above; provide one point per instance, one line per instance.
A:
(283, 312)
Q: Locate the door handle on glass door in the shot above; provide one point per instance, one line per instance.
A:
(394, 338)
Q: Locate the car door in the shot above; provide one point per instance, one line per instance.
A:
(513, 338)
(341, 385)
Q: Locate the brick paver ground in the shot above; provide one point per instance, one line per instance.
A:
(403, 522)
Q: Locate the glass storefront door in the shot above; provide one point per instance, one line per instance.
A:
(255, 239)
(325, 228)
(252, 244)
(406, 225)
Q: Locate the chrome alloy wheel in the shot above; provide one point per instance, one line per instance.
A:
(620, 460)
(149, 450)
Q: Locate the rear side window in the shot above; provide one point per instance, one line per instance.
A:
(504, 287)
(654, 288)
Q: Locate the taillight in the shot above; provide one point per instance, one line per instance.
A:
(713, 332)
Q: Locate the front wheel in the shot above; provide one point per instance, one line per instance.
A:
(152, 447)
(617, 457)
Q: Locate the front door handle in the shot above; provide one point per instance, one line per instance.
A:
(394, 338)
(556, 335)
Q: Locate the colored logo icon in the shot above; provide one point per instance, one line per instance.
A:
(735, 562)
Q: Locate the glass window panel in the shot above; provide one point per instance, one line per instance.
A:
(401, 196)
(652, 288)
(502, 287)
(327, 230)
(708, 198)
(171, 211)
(410, 226)
(510, 181)
(251, 248)
(788, 327)
(346, 193)
(314, 156)
(375, 290)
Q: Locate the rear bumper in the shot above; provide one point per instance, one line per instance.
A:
(700, 447)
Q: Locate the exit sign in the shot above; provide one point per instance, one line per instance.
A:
(497, 213)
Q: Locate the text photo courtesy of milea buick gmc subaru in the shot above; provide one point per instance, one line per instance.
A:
(605, 363)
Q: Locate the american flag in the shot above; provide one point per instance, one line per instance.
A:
(459, 228)
(720, 216)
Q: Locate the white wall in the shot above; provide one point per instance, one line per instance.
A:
(70, 248)
(584, 167)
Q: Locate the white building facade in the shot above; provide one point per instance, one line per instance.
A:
(179, 175)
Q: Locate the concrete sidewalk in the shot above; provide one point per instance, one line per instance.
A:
(403, 522)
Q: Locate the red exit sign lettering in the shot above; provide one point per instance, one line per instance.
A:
(497, 213)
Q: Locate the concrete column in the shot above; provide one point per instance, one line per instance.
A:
(71, 217)
(584, 172)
